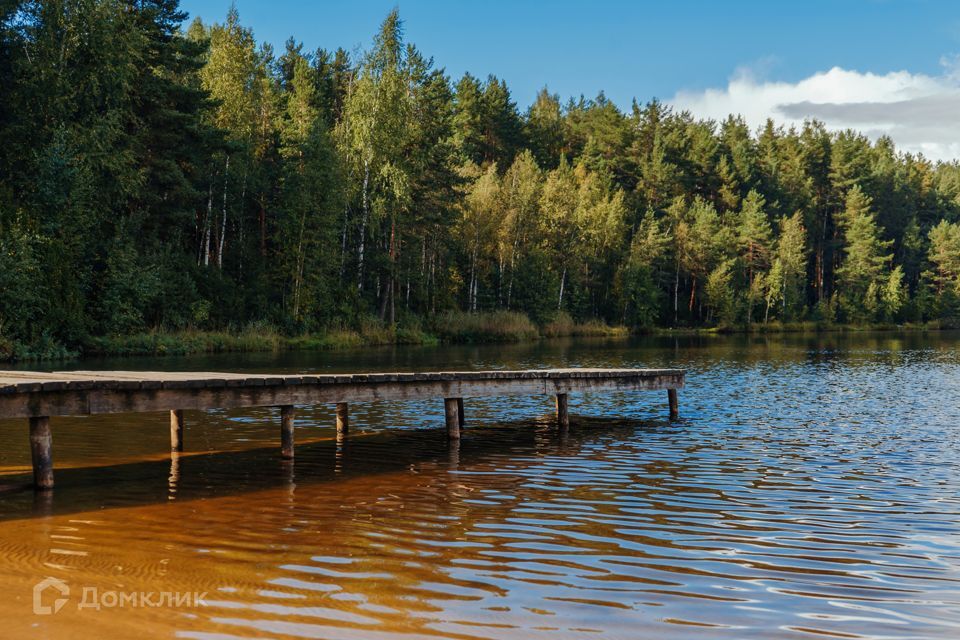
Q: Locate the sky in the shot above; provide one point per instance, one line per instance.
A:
(884, 67)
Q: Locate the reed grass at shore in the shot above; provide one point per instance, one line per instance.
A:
(450, 328)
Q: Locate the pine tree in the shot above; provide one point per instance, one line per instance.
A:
(754, 239)
(866, 266)
(543, 129)
(786, 277)
(638, 286)
(372, 136)
(522, 187)
(468, 120)
(558, 204)
(309, 200)
(478, 225)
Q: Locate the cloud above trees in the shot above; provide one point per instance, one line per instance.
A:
(918, 111)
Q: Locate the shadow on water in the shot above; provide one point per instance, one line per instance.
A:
(812, 490)
(203, 476)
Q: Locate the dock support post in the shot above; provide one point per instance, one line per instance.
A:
(41, 452)
(287, 413)
(343, 418)
(674, 405)
(563, 415)
(452, 414)
(460, 411)
(176, 430)
(173, 480)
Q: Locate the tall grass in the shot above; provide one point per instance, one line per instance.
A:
(563, 325)
(453, 327)
(370, 332)
(161, 343)
(45, 348)
(489, 326)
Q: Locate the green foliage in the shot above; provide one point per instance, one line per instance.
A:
(791, 264)
(865, 273)
(129, 287)
(943, 279)
(160, 179)
(639, 293)
(720, 294)
(494, 326)
(563, 325)
(23, 300)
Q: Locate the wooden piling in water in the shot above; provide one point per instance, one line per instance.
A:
(563, 415)
(287, 413)
(176, 430)
(37, 395)
(343, 418)
(41, 452)
(452, 415)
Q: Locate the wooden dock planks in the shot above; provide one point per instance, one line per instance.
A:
(25, 394)
(39, 395)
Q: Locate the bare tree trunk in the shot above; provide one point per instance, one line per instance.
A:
(298, 277)
(243, 196)
(424, 284)
(343, 242)
(471, 303)
(363, 224)
(393, 251)
(423, 256)
(676, 293)
(205, 248)
(500, 280)
(433, 300)
(223, 225)
(563, 278)
(783, 295)
(384, 298)
(510, 281)
(393, 302)
(263, 229)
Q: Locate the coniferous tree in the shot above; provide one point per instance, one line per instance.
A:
(155, 175)
(865, 271)
(754, 239)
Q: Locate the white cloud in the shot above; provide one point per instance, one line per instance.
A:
(921, 113)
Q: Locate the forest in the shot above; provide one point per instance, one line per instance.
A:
(160, 174)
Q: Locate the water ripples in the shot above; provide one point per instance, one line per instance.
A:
(810, 491)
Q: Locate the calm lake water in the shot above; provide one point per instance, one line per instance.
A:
(811, 489)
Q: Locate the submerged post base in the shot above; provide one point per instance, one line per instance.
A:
(41, 452)
(287, 413)
(343, 418)
(563, 414)
(674, 405)
(451, 409)
(176, 430)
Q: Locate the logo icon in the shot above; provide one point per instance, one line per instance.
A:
(59, 586)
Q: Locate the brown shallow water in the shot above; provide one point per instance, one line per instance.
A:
(810, 490)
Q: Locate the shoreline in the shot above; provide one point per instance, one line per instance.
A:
(480, 329)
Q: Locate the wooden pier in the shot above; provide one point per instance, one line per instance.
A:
(40, 395)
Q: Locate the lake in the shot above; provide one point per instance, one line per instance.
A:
(810, 489)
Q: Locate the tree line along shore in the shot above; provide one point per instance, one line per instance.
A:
(171, 186)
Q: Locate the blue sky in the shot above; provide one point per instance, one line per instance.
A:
(691, 53)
